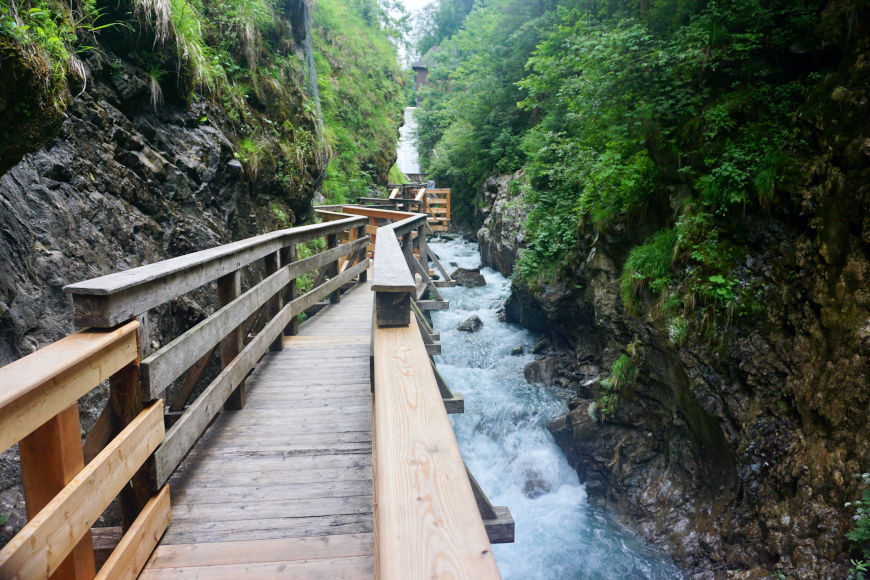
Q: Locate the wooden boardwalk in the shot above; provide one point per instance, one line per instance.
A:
(283, 488)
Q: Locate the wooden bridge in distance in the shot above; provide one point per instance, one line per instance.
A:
(333, 458)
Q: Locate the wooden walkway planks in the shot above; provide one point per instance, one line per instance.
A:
(283, 488)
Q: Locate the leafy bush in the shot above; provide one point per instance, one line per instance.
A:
(649, 266)
(623, 376)
(859, 535)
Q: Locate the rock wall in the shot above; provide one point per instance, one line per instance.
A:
(735, 454)
(504, 215)
(117, 184)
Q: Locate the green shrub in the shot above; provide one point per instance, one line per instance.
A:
(649, 266)
(859, 535)
(623, 376)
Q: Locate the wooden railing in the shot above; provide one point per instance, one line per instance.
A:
(66, 487)
(430, 513)
(64, 497)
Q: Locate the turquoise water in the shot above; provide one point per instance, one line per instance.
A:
(505, 442)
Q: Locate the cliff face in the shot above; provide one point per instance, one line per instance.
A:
(98, 176)
(736, 453)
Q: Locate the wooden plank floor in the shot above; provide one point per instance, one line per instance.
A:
(283, 488)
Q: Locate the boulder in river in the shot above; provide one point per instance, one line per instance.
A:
(468, 278)
(473, 324)
(540, 371)
(517, 350)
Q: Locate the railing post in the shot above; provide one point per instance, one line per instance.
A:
(273, 306)
(332, 268)
(423, 246)
(408, 251)
(229, 288)
(288, 256)
(50, 457)
(126, 402)
(361, 233)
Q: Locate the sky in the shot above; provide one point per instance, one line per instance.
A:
(415, 5)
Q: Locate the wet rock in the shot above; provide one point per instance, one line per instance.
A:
(517, 350)
(542, 345)
(540, 372)
(468, 277)
(503, 232)
(473, 324)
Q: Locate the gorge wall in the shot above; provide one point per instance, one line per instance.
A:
(737, 454)
(133, 156)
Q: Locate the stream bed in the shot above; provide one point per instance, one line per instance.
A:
(504, 439)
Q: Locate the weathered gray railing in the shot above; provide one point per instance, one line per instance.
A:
(109, 300)
(431, 518)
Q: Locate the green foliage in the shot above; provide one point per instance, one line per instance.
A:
(250, 153)
(53, 32)
(360, 87)
(623, 376)
(649, 265)
(305, 282)
(3, 519)
(617, 113)
(396, 176)
(859, 535)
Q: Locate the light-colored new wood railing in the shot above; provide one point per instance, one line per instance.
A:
(68, 487)
(64, 497)
(427, 523)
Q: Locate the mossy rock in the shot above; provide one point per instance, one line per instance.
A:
(32, 103)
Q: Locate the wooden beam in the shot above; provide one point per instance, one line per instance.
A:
(41, 385)
(332, 268)
(101, 433)
(273, 305)
(288, 256)
(168, 363)
(500, 529)
(109, 300)
(51, 457)
(126, 403)
(129, 557)
(43, 543)
(230, 288)
(433, 304)
(455, 405)
(179, 399)
(427, 522)
(184, 433)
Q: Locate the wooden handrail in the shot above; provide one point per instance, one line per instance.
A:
(427, 522)
(65, 496)
(39, 386)
(109, 300)
(38, 396)
(168, 363)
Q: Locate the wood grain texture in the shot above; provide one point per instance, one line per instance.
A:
(325, 569)
(284, 486)
(184, 433)
(129, 557)
(39, 386)
(50, 457)
(168, 363)
(45, 540)
(108, 300)
(257, 551)
(428, 523)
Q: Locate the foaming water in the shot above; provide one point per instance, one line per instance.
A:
(506, 444)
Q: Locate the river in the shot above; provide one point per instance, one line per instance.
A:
(505, 442)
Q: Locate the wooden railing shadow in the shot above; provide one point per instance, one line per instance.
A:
(129, 453)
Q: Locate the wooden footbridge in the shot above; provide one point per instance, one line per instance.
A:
(251, 445)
